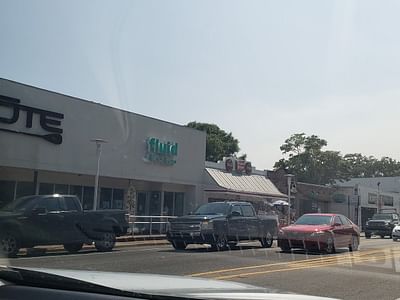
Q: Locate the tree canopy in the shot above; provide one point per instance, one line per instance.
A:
(219, 143)
(310, 163)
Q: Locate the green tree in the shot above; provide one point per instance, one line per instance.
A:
(219, 143)
(309, 162)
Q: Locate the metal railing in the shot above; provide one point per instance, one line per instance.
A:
(148, 225)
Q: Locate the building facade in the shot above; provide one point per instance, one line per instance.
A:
(149, 166)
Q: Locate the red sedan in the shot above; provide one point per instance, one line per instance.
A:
(323, 232)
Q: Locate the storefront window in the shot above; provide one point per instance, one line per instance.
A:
(118, 199)
(61, 189)
(168, 204)
(88, 194)
(7, 192)
(46, 188)
(76, 190)
(179, 199)
(155, 204)
(25, 189)
(105, 198)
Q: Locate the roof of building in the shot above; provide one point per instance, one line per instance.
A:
(387, 184)
(251, 184)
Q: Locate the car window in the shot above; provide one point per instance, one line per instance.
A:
(70, 204)
(344, 220)
(338, 220)
(50, 204)
(237, 209)
(247, 211)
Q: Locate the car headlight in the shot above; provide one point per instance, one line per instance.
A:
(317, 233)
(207, 225)
(281, 233)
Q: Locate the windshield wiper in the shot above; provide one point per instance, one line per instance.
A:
(40, 279)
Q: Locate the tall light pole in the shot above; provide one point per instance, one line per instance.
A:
(289, 183)
(98, 142)
(379, 203)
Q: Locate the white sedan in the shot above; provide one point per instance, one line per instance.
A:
(396, 233)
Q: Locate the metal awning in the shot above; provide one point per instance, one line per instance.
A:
(247, 184)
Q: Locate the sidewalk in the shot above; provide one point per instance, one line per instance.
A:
(122, 241)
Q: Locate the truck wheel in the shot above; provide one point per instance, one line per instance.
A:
(9, 244)
(179, 245)
(394, 239)
(73, 248)
(367, 235)
(267, 241)
(106, 243)
(354, 243)
(221, 243)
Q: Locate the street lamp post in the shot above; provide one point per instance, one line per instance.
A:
(98, 142)
(379, 203)
(289, 183)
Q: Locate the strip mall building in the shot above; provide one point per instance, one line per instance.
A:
(148, 166)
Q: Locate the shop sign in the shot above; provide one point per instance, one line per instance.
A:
(238, 165)
(164, 153)
(49, 121)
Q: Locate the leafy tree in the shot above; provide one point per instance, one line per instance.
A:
(219, 143)
(310, 163)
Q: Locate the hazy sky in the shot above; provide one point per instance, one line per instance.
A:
(260, 69)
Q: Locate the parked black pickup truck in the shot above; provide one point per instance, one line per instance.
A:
(381, 224)
(57, 219)
(222, 224)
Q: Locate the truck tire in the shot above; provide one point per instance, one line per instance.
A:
(73, 247)
(367, 235)
(9, 244)
(178, 245)
(394, 239)
(267, 241)
(106, 243)
(221, 243)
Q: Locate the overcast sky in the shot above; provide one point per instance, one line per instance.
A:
(259, 69)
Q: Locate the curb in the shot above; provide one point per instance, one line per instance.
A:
(119, 244)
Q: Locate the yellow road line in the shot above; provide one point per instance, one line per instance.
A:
(301, 267)
(353, 254)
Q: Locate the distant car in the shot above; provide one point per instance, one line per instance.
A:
(396, 233)
(381, 224)
(322, 232)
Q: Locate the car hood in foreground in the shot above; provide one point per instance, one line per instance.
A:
(175, 285)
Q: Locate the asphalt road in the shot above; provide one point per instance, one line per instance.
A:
(371, 273)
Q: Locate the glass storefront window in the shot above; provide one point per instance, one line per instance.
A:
(118, 199)
(105, 198)
(25, 189)
(179, 200)
(6, 191)
(46, 188)
(88, 194)
(168, 209)
(76, 190)
(61, 189)
(155, 204)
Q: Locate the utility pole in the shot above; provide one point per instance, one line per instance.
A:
(289, 183)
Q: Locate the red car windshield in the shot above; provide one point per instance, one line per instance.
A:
(314, 220)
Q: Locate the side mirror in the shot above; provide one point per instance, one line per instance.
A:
(337, 224)
(235, 214)
(39, 211)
